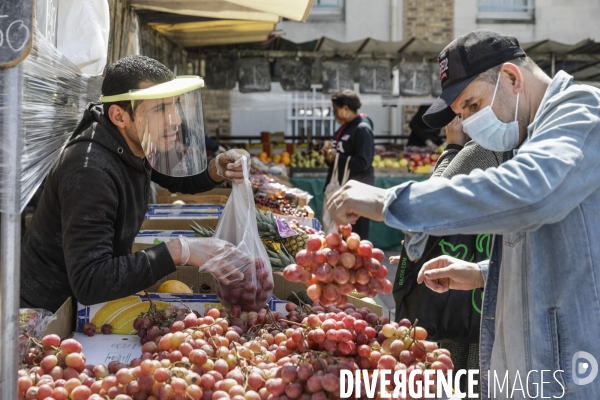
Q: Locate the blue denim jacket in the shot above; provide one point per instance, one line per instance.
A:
(542, 294)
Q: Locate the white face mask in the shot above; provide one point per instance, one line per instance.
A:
(491, 133)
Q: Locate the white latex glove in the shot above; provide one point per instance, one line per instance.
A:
(229, 164)
(227, 258)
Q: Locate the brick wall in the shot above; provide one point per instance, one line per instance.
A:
(217, 112)
(432, 20)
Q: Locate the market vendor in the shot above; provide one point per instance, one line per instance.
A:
(354, 145)
(149, 127)
(541, 309)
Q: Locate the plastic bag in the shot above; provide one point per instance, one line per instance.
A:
(32, 322)
(249, 283)
(329, 225)
(82, 33)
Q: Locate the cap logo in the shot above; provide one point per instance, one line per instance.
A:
(443, 61)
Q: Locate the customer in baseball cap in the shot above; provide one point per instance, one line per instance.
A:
(541, 305)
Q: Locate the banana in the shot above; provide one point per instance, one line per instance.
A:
(123, 322)
(111, 308)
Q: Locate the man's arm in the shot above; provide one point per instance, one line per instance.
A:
(193, 184)
(89, 198)
(547, 179)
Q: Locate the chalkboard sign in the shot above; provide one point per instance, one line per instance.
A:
(436, 86)
(254, 75)
(336, 75)
(220, 73)
(375, 76)
(296, 74)
(16, 18)
(415, 79)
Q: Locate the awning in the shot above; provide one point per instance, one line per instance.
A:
(249, 10)
(206, 8)
(215, 32)
(582, 60)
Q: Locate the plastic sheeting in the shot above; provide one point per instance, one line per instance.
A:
(82, 33)
(55, 94)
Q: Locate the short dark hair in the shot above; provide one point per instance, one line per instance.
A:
(346, 97)
(491, 75)
(127, 74)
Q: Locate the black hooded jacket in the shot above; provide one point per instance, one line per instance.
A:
(92, 206)
(356, 141)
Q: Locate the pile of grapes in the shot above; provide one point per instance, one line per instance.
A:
(280, 206)
(237, 355)
(332, 268)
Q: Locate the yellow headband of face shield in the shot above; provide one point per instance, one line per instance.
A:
(175, 87)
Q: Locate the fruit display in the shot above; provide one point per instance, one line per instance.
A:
(32, 322)
(279, 205)
(314, 157)
(241, 356)
(417, 159)
(332, 268)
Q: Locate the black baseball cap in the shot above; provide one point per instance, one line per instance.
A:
(461, 62)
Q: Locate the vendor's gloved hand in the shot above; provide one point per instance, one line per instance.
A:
(229, 164)
(220, 258)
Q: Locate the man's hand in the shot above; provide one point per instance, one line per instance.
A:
(444, 273)
(354, 200)
(228, 166)
(455, 133)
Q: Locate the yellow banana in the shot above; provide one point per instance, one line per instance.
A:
(122, 323)
(112, 308)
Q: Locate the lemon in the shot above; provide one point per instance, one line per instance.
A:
(173, 286)
(403, 162)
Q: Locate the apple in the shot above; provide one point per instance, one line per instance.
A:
(417, 157)
(434, 157)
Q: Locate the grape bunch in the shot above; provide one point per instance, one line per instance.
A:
(251, 292)
(332, 268)
(238, 355)
(155, 323)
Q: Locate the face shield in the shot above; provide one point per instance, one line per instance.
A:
(168, 121)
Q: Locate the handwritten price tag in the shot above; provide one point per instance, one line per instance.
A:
(16, 17)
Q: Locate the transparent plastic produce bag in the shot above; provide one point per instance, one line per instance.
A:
(32, 322)
(244, 281)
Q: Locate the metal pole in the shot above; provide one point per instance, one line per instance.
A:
(553, 65)
(10, 232)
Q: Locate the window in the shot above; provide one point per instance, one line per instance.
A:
(506, 11)
(327, 10)
(309, 114)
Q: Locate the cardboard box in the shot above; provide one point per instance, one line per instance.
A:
(64, 323)
(202, 284)
(178, 224)
(215, 196)
(121, 313)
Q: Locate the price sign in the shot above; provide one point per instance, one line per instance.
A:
(16, 18)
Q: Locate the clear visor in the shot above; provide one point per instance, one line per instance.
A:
(171, 132)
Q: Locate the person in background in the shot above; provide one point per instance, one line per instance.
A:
(353, 139)
(421, 134)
